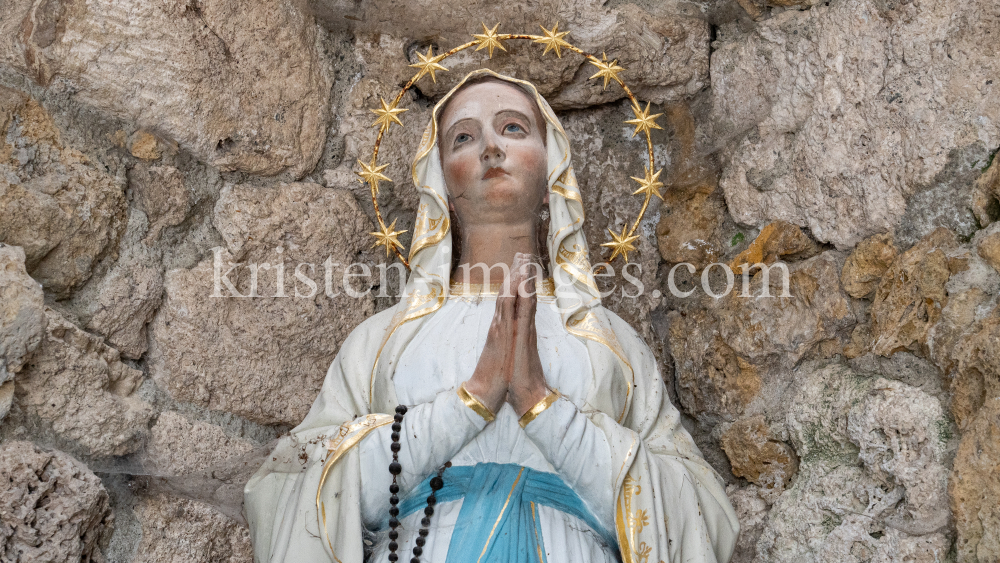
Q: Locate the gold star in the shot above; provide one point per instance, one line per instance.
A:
(371, 175)
(428, 64)
(488, 40)
(622, 244)
(387, 237)
(651, 184)
(553, 40)
(606, 69)
(643, 121)
(387, 115)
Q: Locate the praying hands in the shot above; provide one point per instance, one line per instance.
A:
(509, 368)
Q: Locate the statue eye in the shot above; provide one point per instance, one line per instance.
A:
(513, 128)
(462, 137)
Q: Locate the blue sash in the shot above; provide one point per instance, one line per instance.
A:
(498, 521)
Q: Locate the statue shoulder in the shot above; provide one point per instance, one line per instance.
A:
(635, 347)
(366, 338)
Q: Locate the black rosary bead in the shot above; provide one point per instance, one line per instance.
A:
(425, 521)
(394, 511)
(423, 532)
(394, 447)
(429, 511)
(418, 551)
(431, 500)
(397, 417)
(393, 523)
(437, 483)
(393, 535)
(415, 560)
(396, 427)
(400, 409)
(394, 500)
(394, 436)
(393, 557)
(420, 541)
(393, 546)
(393, 488)
(395, 468)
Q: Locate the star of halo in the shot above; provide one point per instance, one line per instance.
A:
(650, 184)
(371, 174)
(387, 236)
(553, 40)
(622, 244)
(606, 70)
(488, 40)
(428, 64)
(387, 115)
(643, 122)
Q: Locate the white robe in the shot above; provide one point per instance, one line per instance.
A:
(624, 451)
(440, 427)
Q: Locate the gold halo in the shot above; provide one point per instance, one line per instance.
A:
(553, 40)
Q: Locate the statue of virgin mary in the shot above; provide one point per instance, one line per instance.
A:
(599, 470)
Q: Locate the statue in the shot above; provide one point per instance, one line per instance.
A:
(562, 443)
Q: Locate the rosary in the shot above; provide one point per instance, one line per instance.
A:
(437, 482)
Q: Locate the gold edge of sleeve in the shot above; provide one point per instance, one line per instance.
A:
(539, 407)
(475, 404)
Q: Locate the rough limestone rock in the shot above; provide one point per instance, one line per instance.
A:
(756, 456)
(889, 505)
(270, 353)
(693, 210)
(989, 249)
(852, 117)
(176, 530)
(79, 387)
(713, 382)
(977, 374)
(814, 320)
(199, 461)
(726, 352)
(65, 212)
(398, 147)
(866, 265)
(178, 446)
(911, 295)
(974, 487)
(119, 304)
(241, 86)
(54, 509)
(986, 194)
(751, 510)
(665, 56)
(776, 241)
(22, 316)
(160, 193)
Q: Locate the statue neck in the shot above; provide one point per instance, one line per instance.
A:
(494, 244)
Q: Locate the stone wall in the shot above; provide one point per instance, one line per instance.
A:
(146, 148)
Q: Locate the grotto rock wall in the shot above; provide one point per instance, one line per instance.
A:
(149, 154)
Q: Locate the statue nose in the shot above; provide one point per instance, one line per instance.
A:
(493, 154)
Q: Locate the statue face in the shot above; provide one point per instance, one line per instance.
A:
(493, 154)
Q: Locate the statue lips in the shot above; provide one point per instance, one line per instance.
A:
(494, 172)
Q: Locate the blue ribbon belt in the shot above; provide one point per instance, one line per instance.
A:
(499, 519)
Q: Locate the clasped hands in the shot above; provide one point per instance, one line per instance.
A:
(509, 369)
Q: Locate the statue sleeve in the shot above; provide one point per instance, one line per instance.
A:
(433, 433)
(670, 505)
